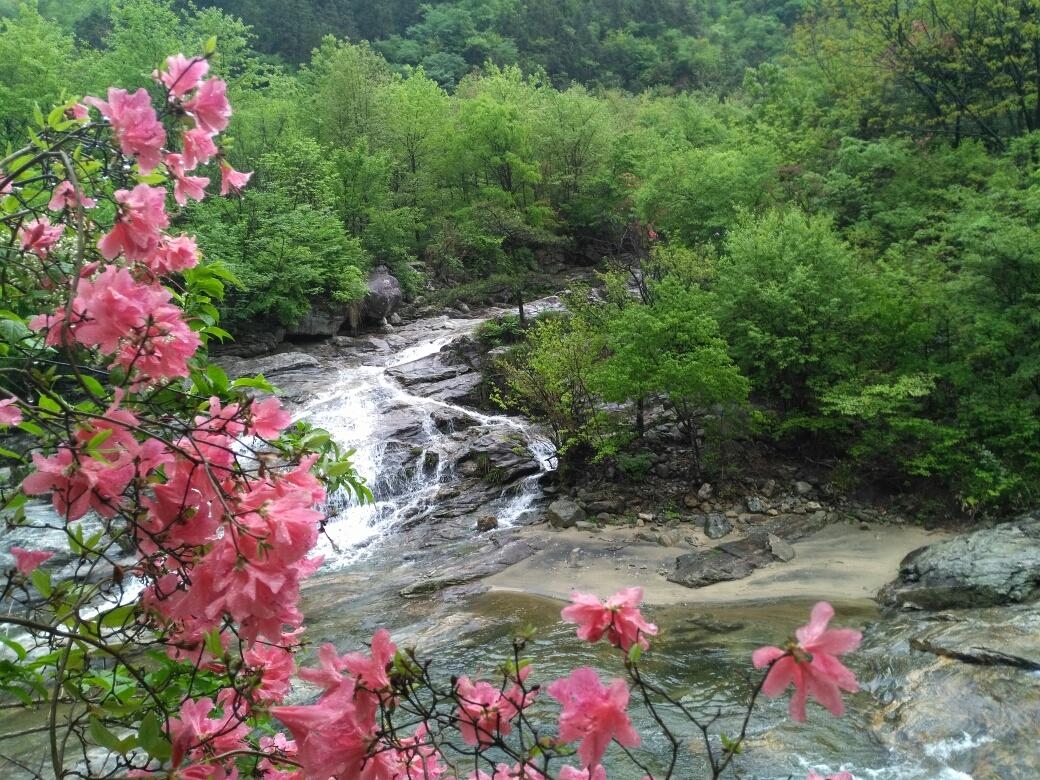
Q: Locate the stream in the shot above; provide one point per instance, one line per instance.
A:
(412, 561)
(374, 553)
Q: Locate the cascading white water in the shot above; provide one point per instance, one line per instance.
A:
(351, 409)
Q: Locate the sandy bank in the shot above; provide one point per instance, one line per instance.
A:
(842, 562)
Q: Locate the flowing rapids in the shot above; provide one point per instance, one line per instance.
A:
(702, 657)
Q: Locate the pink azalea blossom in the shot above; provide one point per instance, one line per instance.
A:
(195, 732)
(275, 666)
(232, 180)
(9, 413)
(839, 776)
(269, 418)
(329, 740)
(182, 75)
(185, 186)
(526, 771)
(77, 111)
(619, 618)
(177, 253)
(65, 197)
(197, 148)
(485, 711)
(39, 236)
(810, 664)
(139, 223)
(136, 127)
(27, 560)
(568, 772)
(593, 714)
(209, 107)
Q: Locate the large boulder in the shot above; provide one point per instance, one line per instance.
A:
(384, 296)
(323, 320)
(564, 513)
(993, 566)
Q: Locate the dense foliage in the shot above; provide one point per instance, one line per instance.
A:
(851, 219)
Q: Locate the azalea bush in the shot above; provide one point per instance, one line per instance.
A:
(159, 637)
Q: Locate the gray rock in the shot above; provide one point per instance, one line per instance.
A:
(755, 505)
(705, 492)
(662, 470)
(269, 365)
(605, 505)
(803, 488)
(668, 539)
(781, 550)
(384, 295)
(716, 526)
(694, 570)
(323, 319)
(564, 513)
(999, 565)
(769, 488)
(394, 319)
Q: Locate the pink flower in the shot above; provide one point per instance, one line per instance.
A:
(593, 713)
(9, 413)
(194, 731)
(839, 776)
(485, 711)
(140, 221)
(39, 236)
(526, 771)
(329, 740)
(210, 108)
(619, 618)
(198, 148)
(182, 75)
(185, 186)
(269, 418)
(27, 560)
(568, 772)
(65, 197)
(275, 666)
(232, 180)
(136, 127)
(77, 111)
(174, 254)
(810, 664)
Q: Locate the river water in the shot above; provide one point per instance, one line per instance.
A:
(702, 656)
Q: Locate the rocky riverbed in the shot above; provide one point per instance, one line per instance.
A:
(471, 515)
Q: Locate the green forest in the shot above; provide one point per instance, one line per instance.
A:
(812, 221)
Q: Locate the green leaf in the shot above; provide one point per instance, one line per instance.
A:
(218, 378)
(118, 617)
(14, 647)
(48, 404)
(255, 382)
(635, 652)
(210, 47)
(42, 580)
(93, 386)
(100, 733)
(152, 739)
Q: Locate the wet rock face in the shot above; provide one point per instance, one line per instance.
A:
(944, 691)
(999, 565)
(384, 296)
